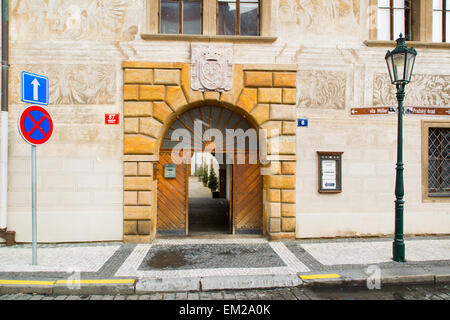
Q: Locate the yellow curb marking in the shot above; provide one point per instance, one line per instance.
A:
(320, 276)
(27, 283)
(118, 281)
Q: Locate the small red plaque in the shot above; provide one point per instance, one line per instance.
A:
(112, 118)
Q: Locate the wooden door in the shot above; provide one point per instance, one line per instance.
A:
(223, 183)
(247, 198)
(172, 198)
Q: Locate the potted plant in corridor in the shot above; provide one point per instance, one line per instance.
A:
(213, 183)
(199, 173)
(205, 176)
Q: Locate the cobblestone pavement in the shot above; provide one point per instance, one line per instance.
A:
(412, 292)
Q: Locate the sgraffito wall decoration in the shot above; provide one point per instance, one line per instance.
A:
(74, 20)
(321, 89)
(423, 90)
(71, 84)
(320, 17)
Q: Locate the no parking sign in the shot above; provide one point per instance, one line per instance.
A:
(36, 127)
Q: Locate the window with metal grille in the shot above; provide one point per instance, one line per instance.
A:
(439, 162)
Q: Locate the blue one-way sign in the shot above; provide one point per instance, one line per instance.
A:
(34, 88)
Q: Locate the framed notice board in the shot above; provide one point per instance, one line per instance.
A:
(330, 172)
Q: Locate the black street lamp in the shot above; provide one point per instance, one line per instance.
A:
(400, 62)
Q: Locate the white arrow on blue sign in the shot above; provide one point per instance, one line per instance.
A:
(34, 88)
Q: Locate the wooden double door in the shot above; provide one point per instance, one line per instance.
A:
(246, 200)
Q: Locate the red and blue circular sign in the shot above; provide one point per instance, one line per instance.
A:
(35, 125)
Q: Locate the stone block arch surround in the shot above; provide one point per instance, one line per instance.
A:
(156, 92)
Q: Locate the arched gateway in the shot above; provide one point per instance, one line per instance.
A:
(233, 141)
(159, 101)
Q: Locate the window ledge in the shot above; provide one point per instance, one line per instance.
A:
(415, 44)
(439, 195)
(204, 38)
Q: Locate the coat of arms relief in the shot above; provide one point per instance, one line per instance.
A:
(211, 67)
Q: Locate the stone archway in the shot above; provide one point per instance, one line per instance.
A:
(233, 141)
(156, 93)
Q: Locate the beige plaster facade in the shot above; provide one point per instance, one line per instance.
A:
(95, 181)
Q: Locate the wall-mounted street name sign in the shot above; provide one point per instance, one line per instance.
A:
(428, 111)
(432, 111)
(372, 111)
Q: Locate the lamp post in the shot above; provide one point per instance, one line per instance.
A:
(400, 62)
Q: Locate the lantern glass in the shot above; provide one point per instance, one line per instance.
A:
(399, 66)
(410, 60)
(400, 62)
(390, 64)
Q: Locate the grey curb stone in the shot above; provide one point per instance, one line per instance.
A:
(325, 282)
(250, 282)
(408, 279)
(25, 289)
(388, 277)
(442, 278)
(94, 289)
(196, 285)
(167, 285)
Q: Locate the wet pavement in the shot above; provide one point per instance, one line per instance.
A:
(185, 257)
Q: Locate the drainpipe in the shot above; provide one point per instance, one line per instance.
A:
(7, 235)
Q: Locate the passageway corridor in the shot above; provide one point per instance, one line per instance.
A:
(206, 215)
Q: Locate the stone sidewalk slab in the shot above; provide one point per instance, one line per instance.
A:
(377, 251)
(56, 259)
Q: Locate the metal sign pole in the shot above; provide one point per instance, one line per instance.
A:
(33, 203)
